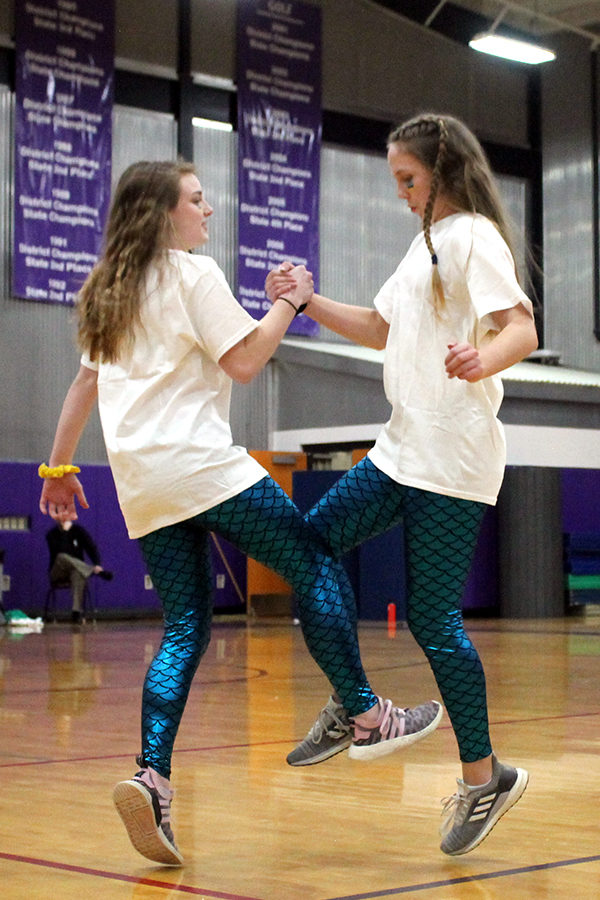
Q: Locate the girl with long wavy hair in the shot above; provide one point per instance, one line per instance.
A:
(162, 338)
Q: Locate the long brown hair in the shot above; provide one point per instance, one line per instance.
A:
(459, 170)
(138, 233)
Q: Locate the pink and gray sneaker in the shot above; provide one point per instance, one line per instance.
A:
(394, 728)
(144, 804)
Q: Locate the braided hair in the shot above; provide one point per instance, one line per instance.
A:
(459, 170)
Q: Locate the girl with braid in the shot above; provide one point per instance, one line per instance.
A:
(162, 338)
(450, 318)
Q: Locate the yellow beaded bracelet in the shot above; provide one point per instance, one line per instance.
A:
(45, 471)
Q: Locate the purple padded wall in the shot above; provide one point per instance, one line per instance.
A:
(581, 500)
(26, 553)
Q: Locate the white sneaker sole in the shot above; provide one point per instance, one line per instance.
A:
(134, 805)
(383, 748)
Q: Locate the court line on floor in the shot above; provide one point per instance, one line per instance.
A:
(468, 879)
(199, 681)
(371, 895)
(132, 879)
(129, 756)
(245, 746)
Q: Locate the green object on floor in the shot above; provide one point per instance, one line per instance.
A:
(16, 616)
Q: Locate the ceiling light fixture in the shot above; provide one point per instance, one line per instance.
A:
(556, 25)
(508, 47)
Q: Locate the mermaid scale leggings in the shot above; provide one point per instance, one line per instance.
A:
(264, 523)
(440, 536)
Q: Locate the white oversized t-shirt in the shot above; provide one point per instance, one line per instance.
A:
(444, 434)
(164, 406)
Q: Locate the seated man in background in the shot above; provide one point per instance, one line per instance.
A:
(68, 543)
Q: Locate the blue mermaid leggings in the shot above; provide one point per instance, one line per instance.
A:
(264, 523)
(440, 538)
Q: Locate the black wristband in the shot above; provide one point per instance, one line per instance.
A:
(289, 302)
(297, 309)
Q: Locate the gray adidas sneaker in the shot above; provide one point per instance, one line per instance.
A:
(145, 809)
(395, 728)
(330, 734)
(471, 813)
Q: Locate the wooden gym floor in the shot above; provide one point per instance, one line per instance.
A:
(253, 828)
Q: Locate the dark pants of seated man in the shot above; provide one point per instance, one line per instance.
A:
(77, 572)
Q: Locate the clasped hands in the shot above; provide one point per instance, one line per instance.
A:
(294, 282)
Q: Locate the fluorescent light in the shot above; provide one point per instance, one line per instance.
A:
(211, 123)
(509, 48)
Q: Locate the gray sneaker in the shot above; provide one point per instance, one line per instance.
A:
(470, 814)
(330, 734)
(395, 728)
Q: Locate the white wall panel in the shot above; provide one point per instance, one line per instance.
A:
(215, 158)
(140, 134)
(569, 208)
(365, 229)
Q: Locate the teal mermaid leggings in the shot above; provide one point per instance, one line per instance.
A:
(440, 538)
(264, 523)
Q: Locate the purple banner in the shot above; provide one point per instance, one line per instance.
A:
(279, 124)
(63, 137)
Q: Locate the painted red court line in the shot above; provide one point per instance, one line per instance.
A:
(116, 876)
(371, 895)
(129, 756)
(467, 879)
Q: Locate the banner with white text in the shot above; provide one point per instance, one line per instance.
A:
(63, 139)
(279, 124)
